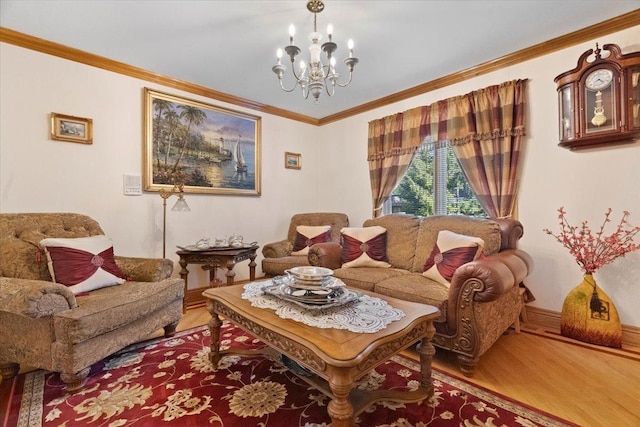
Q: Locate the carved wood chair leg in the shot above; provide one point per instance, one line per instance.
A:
(170, 329)
(467, 364)
(75, 382)
(9, 369)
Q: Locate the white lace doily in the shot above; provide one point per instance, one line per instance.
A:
(367, 315)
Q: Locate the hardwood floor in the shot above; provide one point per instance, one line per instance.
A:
(588, 385)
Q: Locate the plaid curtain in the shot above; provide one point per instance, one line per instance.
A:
(485, 128)
(489, 148)
(393, 141)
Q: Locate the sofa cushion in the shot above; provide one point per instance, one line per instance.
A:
(83, 264)
(417, 288)
(402, 232)
(110, 308)
(486, 229)
(366, 277)
(450, 252)
(364, 247)
(308, 235)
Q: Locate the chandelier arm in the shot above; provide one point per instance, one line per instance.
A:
(326, 87)
(293, 70)
(347, 83)
(285, 89)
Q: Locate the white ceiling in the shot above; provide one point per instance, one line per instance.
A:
(230, 46)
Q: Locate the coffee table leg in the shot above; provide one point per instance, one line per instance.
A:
(214, 327)
(426, 350)
(340, 409)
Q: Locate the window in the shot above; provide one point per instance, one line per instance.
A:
(434, 185)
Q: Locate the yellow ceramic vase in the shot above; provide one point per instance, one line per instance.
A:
(589, 315)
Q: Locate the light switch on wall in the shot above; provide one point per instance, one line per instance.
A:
(132, 185)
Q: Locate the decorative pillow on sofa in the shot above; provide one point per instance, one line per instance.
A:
(308, 235)
(364, 247)
(450, 252)
(83, 264)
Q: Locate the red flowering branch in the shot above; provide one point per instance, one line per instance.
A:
(590, 251)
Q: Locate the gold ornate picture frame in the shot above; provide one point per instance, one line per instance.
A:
(71, 128)
(292, 160)
(205, 148)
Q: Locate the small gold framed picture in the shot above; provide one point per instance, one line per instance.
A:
(292, 160)
(71, 128)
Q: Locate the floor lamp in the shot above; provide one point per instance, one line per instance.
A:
(180, 206)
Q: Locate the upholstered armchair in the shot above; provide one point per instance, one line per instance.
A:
(66, 329)
(280, 256)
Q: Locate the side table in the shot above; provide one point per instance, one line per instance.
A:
(215, 258)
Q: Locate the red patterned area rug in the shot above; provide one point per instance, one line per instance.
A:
(170, 381)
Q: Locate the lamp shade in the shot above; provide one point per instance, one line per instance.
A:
(181, 205)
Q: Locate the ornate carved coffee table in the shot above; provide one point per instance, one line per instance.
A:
(337, 357)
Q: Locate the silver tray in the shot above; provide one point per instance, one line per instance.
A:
(328, 282)
(318, 299)
(194, 248)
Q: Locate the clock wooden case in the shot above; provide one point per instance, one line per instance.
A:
(600, 100)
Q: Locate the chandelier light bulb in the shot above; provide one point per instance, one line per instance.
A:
(292, 32)
(302, 66)
(329, 31)
(350, 46)
(279, 55)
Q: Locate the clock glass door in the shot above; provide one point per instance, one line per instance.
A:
(566, 113)
(600, 103)
(635, 96)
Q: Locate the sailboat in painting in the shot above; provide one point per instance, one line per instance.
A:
(238, 157)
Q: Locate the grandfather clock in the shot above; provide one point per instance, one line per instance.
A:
(600, 100)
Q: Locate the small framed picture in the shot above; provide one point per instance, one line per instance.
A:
(71, 128)
(292, 161)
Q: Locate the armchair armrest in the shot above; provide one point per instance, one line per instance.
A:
(145, 269)
(34, 298)
(328, 254)
(278, 249)
(511, 231)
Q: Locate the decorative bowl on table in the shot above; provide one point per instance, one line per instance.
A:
(310, 273)
(308, 277)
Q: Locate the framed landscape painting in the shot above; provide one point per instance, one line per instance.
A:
(71, 128)
(205, 148)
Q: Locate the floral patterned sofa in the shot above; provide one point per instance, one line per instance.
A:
(477, 304)
(46, 325)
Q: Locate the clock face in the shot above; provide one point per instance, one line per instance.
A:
(599, 79)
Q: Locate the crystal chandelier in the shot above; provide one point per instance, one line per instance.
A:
(315, 76)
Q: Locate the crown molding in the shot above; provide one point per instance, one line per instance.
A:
(610, 26)
(44, 46)
(613, 25)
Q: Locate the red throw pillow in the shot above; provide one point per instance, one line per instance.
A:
(309, 235)
(364, 247)
(450, 252)
(83, 264)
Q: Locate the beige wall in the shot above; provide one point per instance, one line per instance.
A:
(585, 183)
(37, 174)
